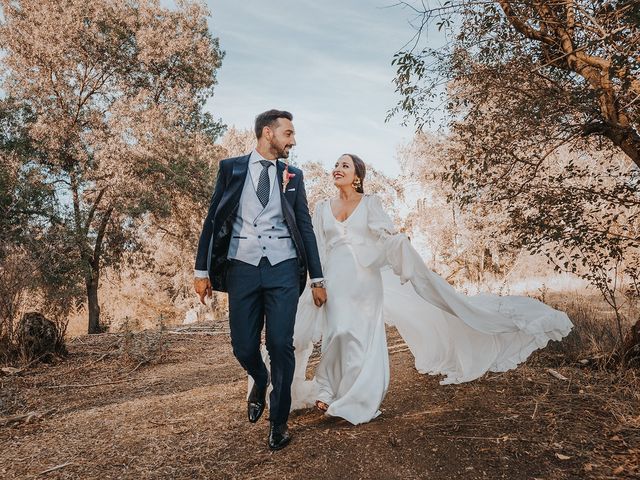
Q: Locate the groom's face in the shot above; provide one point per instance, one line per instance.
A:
(281, 137)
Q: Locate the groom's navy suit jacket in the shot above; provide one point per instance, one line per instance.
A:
(213, 246)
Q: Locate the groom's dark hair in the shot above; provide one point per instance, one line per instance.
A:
(269, 118)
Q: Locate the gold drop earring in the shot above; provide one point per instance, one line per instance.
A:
(356, 183)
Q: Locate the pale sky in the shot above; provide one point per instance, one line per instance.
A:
(328, 63)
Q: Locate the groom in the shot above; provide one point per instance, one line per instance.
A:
(257, 244)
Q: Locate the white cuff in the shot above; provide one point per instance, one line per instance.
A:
(201, 273)
(314, 280)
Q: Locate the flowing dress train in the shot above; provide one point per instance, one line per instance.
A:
(373, 275)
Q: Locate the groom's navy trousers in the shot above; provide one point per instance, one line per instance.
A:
(257, 295)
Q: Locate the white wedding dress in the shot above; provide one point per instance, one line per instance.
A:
(373, 275)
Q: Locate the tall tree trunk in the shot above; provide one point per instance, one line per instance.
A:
(91, 282)
(93, 278)
(627, 140)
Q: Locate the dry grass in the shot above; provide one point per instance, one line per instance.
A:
(161, 405)
(182, 416)
(595, 335)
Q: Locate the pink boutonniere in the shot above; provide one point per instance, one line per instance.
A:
(286, 176)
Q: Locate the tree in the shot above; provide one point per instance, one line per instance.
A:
(117, 91)
(576, 64)
(465, 243)
(34, 267)
(544, 102)
(26, 198)
(238, 142)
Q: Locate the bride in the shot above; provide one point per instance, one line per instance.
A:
(373, 275)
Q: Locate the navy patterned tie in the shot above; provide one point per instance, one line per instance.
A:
(263, 183)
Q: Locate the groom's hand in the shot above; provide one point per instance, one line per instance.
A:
(319, 296)
(202, 287)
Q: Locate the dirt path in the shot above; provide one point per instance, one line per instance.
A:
(183, 417)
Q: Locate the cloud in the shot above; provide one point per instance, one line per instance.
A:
(328, 62)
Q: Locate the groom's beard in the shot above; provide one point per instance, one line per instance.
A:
(281, 152)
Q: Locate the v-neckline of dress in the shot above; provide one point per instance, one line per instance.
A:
(342, 222)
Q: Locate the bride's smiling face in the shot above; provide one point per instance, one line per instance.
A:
(344, 173)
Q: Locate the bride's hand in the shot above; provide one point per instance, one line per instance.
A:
(319, 296)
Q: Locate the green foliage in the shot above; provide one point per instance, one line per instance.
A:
(26, 197)
(108, 131)
(35, 251)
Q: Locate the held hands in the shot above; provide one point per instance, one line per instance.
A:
(202, 287)
(319, 296)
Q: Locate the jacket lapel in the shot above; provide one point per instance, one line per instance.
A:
(231, 198)
(239, 174)
(279, 174)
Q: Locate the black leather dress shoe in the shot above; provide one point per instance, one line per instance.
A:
(256, 403)
(279, 436)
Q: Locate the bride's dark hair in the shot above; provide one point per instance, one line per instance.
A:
(360, 168)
